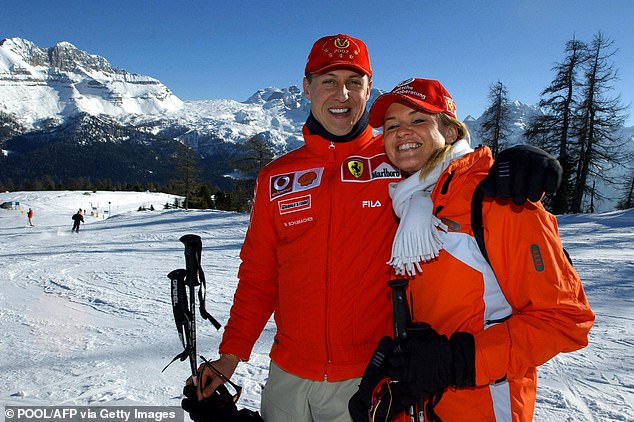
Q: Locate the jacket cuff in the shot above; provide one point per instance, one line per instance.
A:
(236, 349)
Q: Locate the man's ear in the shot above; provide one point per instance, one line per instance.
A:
(306, 86)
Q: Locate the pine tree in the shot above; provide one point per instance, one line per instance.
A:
(187, 170)
(496, 127)
(599, 117)
(627, 201)
(256, 154)
(552, 131)
(580, 123)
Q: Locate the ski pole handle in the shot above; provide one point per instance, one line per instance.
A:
(193, 247)
(400, 310)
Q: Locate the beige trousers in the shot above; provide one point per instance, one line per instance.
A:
(287, 398)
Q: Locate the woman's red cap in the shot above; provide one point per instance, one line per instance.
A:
(427, 94)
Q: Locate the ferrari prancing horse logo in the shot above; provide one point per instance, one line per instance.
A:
(356, 168)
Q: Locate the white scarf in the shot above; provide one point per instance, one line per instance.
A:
(420, 234)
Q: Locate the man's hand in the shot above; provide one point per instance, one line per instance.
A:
(523, 172)
(208, 380)
(210, 401)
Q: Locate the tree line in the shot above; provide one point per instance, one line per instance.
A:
(187, 182)
(579, 125)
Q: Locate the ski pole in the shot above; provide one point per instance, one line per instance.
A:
(403, 327)
(192, 244)
(183, 283)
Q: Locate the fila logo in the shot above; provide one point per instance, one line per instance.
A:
(371, 204)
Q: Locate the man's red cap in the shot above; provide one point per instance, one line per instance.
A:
(338, 51)
(427, 94)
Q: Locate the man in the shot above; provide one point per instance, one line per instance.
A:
(77, 220)
(316, 249)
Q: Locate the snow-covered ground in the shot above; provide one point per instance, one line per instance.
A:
(86, 318)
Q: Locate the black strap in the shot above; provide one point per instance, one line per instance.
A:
(195, 274)
(476, 220)
(182, 313)
(432, 402)
(202, 293)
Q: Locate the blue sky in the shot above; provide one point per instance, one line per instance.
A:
(230, 49)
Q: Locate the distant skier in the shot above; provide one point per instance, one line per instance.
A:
(30, 216)
(77, 220)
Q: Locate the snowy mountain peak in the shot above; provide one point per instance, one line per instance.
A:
(38, 84)
(65, 56)
(20, 50)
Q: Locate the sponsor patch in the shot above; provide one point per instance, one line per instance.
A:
(297, 181)
(367, 169)
(294, 204)
(356, 167)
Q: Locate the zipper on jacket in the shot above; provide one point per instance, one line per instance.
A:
(332, 163)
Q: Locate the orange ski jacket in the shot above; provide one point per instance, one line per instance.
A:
(315, 255)
(526, 310)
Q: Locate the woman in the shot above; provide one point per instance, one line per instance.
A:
(491, 324)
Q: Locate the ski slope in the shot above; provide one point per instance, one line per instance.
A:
(86, 318)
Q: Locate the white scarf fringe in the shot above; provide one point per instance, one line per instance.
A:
(420, 234)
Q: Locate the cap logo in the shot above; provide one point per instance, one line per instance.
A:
(408, 90)
(406, 82)
(451, 105)
(404, 88)
(342, 43)
(342, 46)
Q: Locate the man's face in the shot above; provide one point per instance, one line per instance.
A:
(338, 98)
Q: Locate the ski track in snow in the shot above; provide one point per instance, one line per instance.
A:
(87, 317)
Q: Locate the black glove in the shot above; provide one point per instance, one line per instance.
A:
(523, 172)
(217, 408)
(374, 373)
(426, 363)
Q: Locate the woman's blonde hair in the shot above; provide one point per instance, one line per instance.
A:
(441, 153)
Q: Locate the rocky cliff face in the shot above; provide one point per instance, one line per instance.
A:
(41, 85)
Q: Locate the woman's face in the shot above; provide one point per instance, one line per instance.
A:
(412, 136)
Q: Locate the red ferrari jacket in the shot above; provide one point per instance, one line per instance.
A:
(315, 256)
(528, 308)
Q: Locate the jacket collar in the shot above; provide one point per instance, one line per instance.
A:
(319, 145)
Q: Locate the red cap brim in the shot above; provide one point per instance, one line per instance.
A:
(341, 65)
(381, 104)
